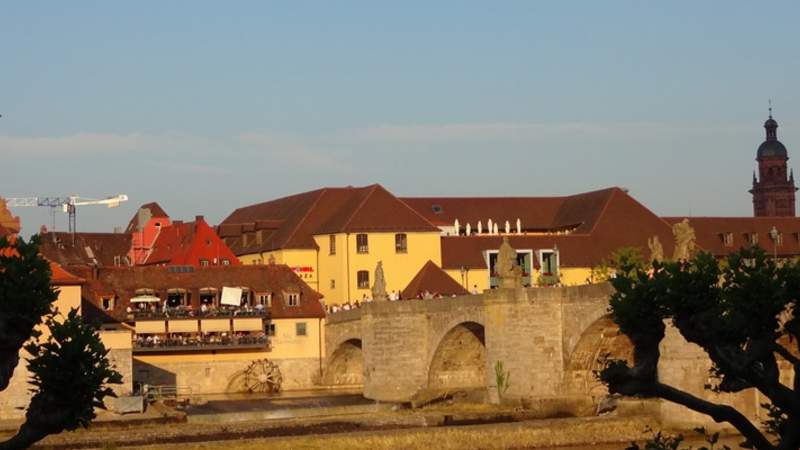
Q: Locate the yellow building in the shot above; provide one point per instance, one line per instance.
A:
(333, 239)
(201, 328)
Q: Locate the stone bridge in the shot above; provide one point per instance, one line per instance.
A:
(548, 339)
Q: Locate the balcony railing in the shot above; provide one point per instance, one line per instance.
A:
(199, 344)
(175, 313)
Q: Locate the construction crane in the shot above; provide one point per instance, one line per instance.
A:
(67, 204)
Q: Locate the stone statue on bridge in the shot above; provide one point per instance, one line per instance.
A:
(379, 288)
(684, 240)
(656, 249)
(509, 272)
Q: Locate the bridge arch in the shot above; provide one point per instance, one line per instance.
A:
(459, 360)
(601, 339)
(345, 365)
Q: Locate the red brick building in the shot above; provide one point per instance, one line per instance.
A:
(774, 189)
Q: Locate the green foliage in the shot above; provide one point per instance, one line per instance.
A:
(736, 311)
(68, 364)
(776, 422)
(25, 288)
(630, 257)
(69, 373)
(658, 441)
(546, 279)
(663, 441)
(502, 378)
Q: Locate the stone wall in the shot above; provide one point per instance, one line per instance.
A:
(223, 376)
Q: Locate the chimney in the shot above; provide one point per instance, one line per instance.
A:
(199, 219)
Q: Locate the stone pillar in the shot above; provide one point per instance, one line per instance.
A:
(523, 330)
(395, 346)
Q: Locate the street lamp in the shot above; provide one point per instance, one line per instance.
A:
(774, 234)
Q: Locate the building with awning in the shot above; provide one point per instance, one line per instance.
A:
(221, 318)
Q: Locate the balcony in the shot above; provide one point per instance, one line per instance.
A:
(182, 313)
(197, 343)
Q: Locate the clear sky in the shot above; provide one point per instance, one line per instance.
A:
(207, 106)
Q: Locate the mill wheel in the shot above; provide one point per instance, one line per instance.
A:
(263, 375)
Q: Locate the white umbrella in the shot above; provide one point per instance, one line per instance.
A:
(457, 226)
(491, 228)
(495, 229)
(508, 228)
(519, 226)
(480, 227)
(469, 229)
(145, 299)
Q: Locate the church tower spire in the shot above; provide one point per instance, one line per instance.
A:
(773, 191)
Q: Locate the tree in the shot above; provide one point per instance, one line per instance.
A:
(69, 368)
(741, 312)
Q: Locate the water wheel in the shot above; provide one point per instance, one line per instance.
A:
(263, 375)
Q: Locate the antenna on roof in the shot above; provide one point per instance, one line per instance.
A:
(769, 101)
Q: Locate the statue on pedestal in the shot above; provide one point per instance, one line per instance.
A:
(509, 272)
(684, 240)
(379, 288)
(656, 249)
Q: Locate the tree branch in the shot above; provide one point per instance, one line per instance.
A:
(787, 355)
(624, 381)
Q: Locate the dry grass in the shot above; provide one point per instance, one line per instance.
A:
(485, 437)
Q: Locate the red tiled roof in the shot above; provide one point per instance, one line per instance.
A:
(433, 279)
(61, 277)
(575, 212)
(611, 219)
(535, 213)
(103, 249)
(277, 279)
(291, 222)
(710, 233)
(155, 211)
(186, 243)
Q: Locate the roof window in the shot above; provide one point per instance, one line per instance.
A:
(437, 209)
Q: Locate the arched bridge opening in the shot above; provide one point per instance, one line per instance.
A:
(601, 340)
(346, 365)
(460, 359)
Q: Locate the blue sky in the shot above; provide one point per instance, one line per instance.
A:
(206, 106)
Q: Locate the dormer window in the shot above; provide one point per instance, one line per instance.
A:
(264, 299)
(752, 238)
(293, 299)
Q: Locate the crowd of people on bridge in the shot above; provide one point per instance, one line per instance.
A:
(393, 296)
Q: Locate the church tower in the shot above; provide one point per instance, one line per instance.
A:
(773, 191)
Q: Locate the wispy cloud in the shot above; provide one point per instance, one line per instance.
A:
(292, 149)
(521, 131)
(96, 143)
